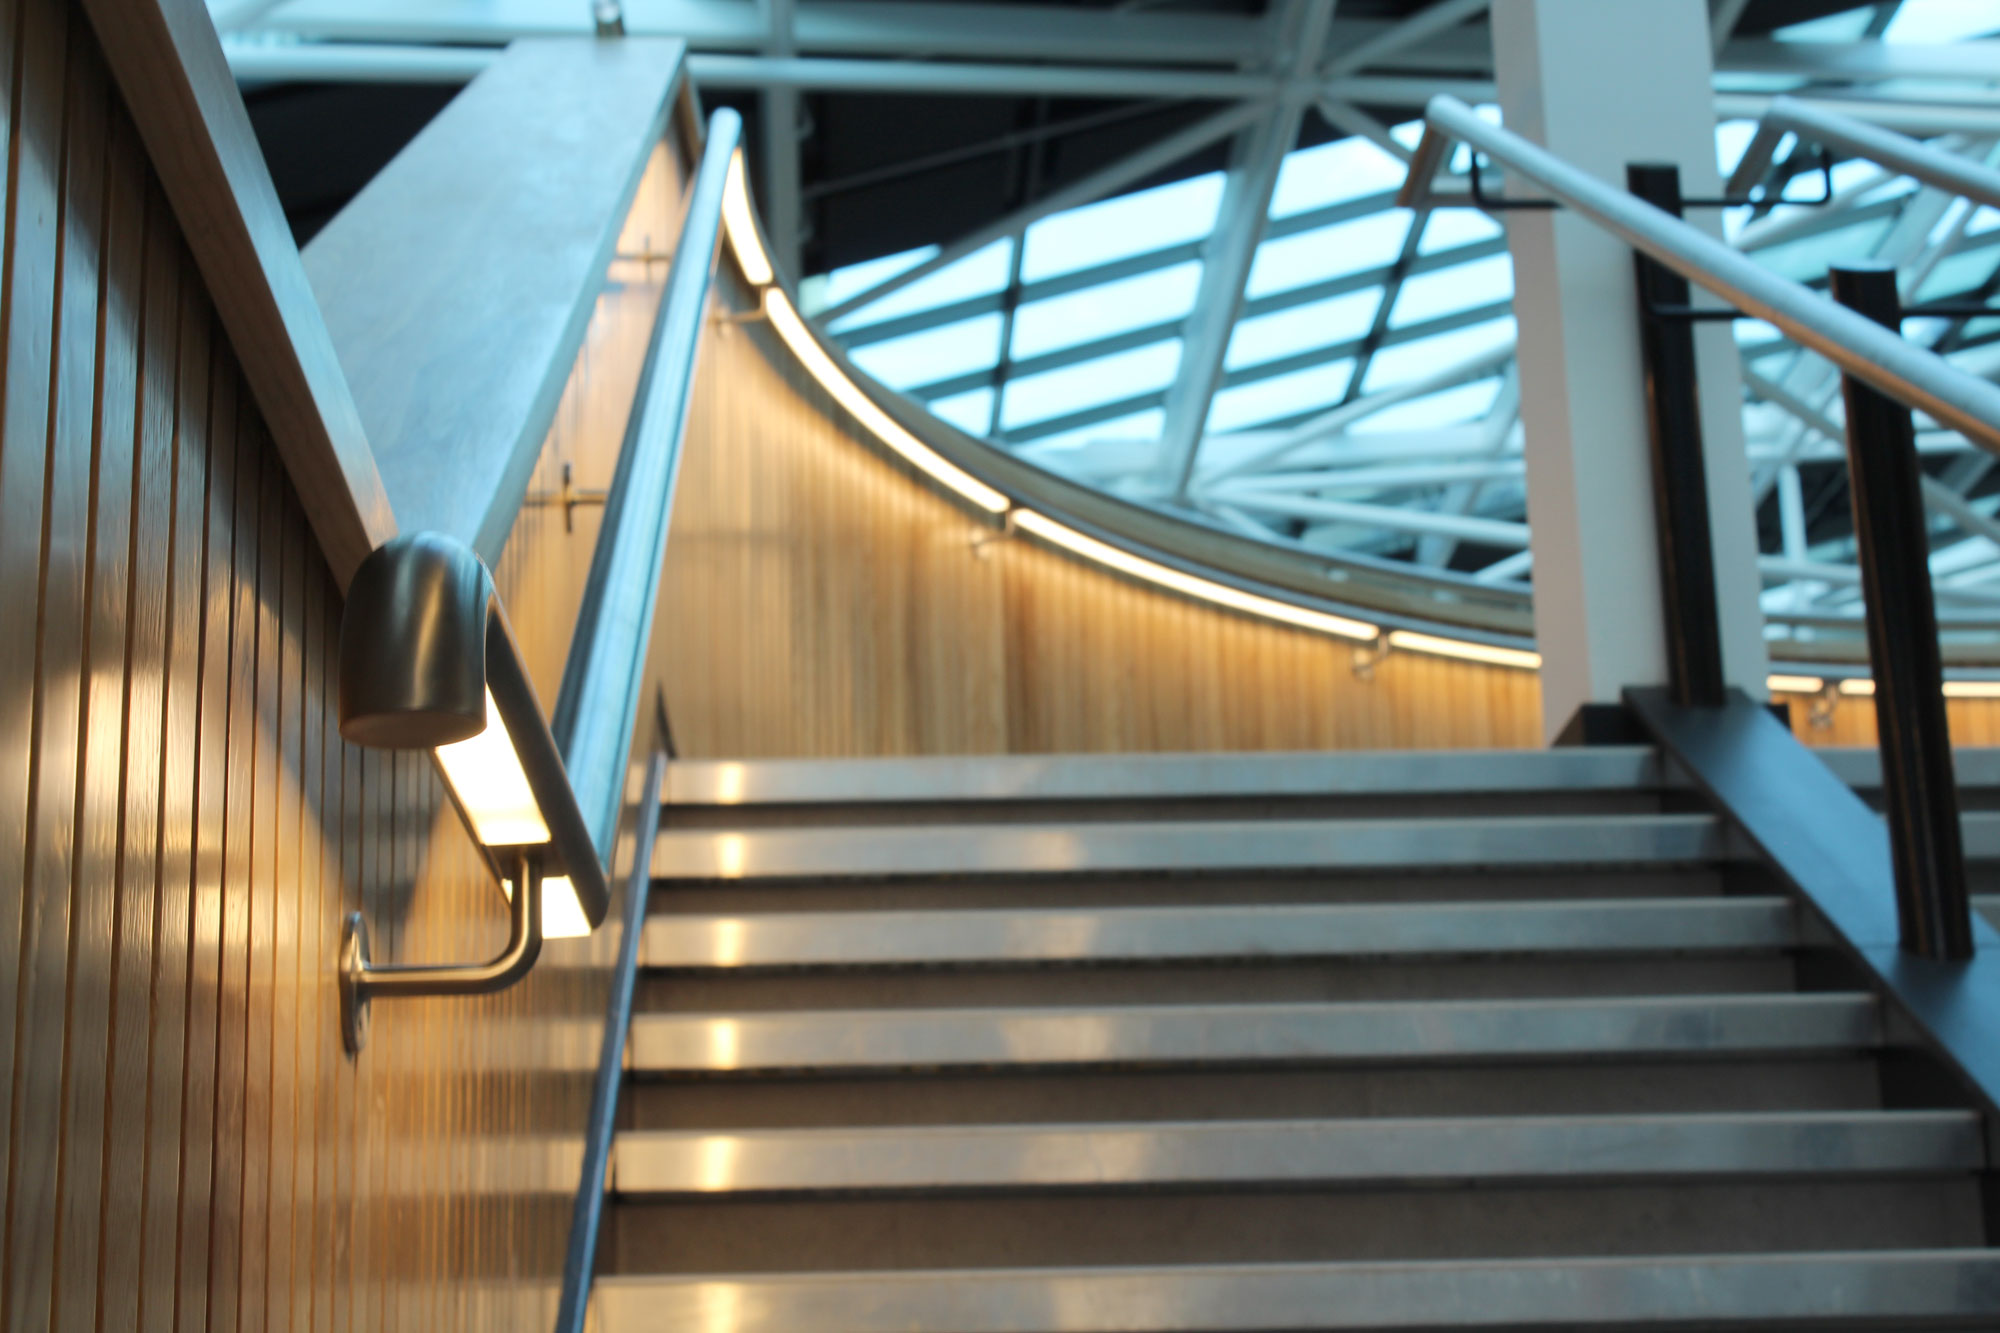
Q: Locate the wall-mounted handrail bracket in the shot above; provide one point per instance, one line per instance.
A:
(362, 980)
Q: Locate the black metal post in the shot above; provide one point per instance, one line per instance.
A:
(1680, 473)
(1919, 788)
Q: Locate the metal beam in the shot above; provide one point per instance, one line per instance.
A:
(1360, 409)
(1932, 115)
(784, 222)
(1111, 179)
(1346, 116)
(1723, 16)
(1491, 531)
(1239, 230)
(1440, 17)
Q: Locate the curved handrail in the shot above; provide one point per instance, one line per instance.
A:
(1915, 377)
(598, 703)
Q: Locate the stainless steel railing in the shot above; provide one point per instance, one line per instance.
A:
(1876, 355)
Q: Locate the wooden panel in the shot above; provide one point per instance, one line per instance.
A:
(457, 285)
(818, 601)
(170, 68)
(187, 1146)
(1848, 720)
(542, 569)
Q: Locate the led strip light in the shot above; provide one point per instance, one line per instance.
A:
(747, 245)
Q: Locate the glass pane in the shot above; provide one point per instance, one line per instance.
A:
(1414, 360)
(1139, 426)
(1106, 309)
(1450, 228)
(970, 412)
(1106, 379)
(1337, 319)
(1333, 173)
(978, 273)
(934, 354)
(1329, 252)
(1449, 407)
(1805, 259)
(1942, 21)
(1960, 273)
(1449, 290)
(1118, 228)
(830, 289)
(1280, 396)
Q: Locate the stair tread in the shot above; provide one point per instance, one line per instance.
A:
(1625, 1292)
(1129, 776)
(871, 938)
(1427, 1029)
(1331, 845)
(1047, 1156)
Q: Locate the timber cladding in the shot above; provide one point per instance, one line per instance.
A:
(181, 829)
(821, 601)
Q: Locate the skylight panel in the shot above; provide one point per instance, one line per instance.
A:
(1106, 309)
(1333, 173)
(1450, 228)
(1936, 21)
(970, 412)
(1329, 252)
(1447, 291)
(977, 274)
(1850, 26)
(1117, 228)
(1336, 319)
(1960, 273)
(1145, 425)
(830, 289)
(1807, 258)
(1414, 360)
(1280, 396)
(1106, 379)
(933, 354)
(1448, 407)
(1732, 140)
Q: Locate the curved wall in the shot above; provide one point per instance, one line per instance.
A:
(820, 599)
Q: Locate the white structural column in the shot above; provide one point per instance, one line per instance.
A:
(1603, 85)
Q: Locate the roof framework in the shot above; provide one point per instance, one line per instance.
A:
(1276, 347)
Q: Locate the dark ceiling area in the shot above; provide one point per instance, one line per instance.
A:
(881, 173)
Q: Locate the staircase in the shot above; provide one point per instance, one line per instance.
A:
(1125, 1044)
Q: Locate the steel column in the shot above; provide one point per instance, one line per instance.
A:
(1919, 790)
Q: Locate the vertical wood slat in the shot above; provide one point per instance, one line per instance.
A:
(60, 653)
(182, 829)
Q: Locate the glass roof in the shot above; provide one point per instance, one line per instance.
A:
(1368, 333)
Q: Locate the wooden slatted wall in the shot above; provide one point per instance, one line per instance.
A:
(186, 1146)
(1851, 721)
(822, 602)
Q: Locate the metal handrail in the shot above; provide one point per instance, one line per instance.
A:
(587, 1212)
(598, 703)
(1915, 377)
(1913, 157)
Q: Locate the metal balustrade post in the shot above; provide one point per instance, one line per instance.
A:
(1680, 473)
(1920, 791)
